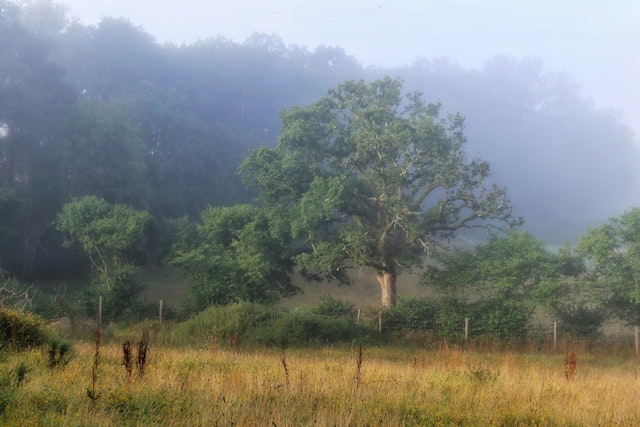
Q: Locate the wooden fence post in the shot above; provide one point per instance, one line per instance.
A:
(466, 328)
(160, 312)
(636, 335)
(555, 335)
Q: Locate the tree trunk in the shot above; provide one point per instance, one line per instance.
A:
(388, 288)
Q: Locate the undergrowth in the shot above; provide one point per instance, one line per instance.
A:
(254, 325)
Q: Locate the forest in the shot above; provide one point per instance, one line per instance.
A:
(240, 165)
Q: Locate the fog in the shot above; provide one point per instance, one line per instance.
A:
(572, 57)
(593, 42)
(158, 109)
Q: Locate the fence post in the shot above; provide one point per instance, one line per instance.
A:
(555, 335)
(100, 312)
(380, 323)
(636, 334)
(466, 328)
(160, 312)
(358, 316)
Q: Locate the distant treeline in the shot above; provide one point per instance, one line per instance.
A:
(105, 110)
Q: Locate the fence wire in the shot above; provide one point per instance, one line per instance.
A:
(541, 335)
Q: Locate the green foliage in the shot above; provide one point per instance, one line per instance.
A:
(105, 152)
(412, 314)
(35, 101)
(102, 230)
(178, 237)
(305, 328)
(255, 324)
(108, 235)
(329, 306)
(232, 256)
(499, 318)
(59, 352)
(582, 321)
(219, 323)
(581, 307)
(21, 373)
(357, 179)
(613, 254)
(503, 281)
(105, 110)
(20, 330)
(450, 317)
(119, 301)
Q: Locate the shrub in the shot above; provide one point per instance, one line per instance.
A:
(59, 352)
(500, 319)
(255, 324)
(119, 302)
(411, 314)
(302, 329)
(21, 330)
(582, 322)
(332, 307)
(451, 317)
(223, 322)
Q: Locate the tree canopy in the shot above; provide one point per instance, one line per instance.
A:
(367, 178)
(108, 235)
(231, 256)
(504, 280)
(613, 254)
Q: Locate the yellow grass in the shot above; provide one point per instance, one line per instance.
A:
(187, 387)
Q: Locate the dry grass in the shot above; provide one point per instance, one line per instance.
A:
(316, 387)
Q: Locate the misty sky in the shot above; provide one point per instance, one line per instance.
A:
(596, 43)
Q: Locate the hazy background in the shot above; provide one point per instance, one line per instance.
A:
(594, 42)
(158, 109)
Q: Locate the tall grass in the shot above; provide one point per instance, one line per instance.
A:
(206, 387)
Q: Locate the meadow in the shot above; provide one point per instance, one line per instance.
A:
(224, 384)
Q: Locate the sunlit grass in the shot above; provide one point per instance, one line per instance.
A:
(216, 386)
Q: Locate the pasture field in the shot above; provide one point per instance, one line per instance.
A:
(323, 386)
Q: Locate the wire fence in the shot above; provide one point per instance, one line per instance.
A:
(541, 335)
(547, 335)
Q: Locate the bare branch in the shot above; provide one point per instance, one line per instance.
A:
(16, 298)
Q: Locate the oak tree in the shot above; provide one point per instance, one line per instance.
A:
(365, 177)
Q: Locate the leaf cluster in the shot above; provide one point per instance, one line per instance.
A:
(506, 279)
(232, 256)
(108, 234)
(612, 251)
